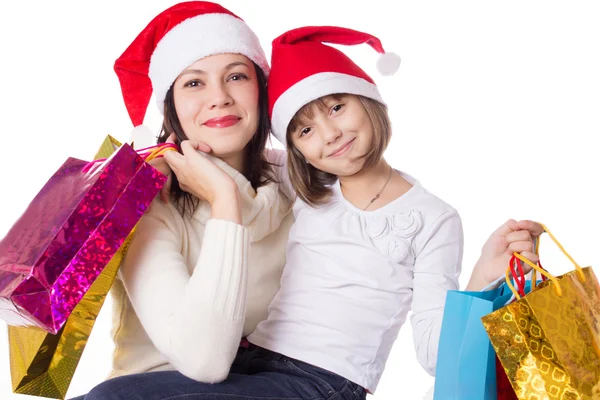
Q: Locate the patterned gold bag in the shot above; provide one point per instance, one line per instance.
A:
(43, 364)
(548, 340)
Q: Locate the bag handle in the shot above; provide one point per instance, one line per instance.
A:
(158, 151)
(534, 274)
(534, 271)
(147, 153)
(516, 271)
(541, 270)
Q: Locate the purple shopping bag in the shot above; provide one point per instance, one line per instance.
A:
(69, 233)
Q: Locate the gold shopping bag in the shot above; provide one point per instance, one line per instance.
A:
(548, 340)
(43, 364)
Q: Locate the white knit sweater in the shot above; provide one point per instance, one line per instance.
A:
(190, 288)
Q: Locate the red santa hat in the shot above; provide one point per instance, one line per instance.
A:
(304, 69)
(172, 41)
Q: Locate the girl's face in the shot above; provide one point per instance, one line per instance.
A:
(335, 138)
(216, 99)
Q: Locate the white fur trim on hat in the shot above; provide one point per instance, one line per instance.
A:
(196, 38)
(311, 88)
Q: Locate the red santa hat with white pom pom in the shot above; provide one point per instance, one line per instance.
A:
(304, 69)
(172, 41)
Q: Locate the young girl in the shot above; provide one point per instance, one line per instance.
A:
(369, 244)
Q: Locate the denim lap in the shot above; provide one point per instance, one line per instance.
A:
(257, 374)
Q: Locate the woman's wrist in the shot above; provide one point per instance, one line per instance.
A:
(227, 205)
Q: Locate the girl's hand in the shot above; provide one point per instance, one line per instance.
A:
(497, 251)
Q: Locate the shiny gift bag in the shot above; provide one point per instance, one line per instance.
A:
(43, 364)
(548, 340)
(68, 234)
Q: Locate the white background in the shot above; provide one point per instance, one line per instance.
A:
(495, 109)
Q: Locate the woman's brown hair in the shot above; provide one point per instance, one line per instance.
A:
(312, 185)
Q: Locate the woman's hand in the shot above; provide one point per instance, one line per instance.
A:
(163, 167)
(204, 179)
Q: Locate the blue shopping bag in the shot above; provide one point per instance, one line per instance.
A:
(466, 363)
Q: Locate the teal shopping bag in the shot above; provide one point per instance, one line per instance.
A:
(466, 363)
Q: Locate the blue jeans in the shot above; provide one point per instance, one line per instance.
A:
(256, 373)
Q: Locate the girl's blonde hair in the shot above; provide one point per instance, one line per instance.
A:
(312, 185)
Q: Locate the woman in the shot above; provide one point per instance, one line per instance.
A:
(202, 269)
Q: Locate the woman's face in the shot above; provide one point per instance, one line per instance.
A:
(216, 99)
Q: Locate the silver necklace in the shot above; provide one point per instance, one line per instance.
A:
(381, 191)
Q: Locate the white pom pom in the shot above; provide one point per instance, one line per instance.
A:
(141, 136)
(388, 64)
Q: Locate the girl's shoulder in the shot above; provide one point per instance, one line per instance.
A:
(423, 199)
